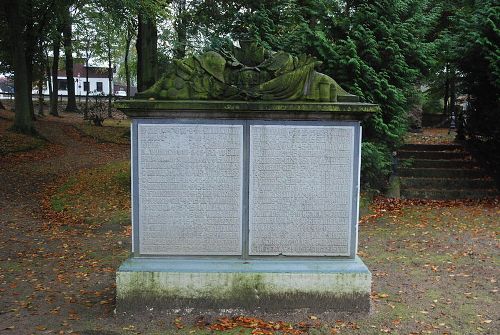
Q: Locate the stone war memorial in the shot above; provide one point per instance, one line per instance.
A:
(245, 187)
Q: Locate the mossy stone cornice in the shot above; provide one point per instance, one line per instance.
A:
(268, 110)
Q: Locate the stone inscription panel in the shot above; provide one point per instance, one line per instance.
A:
(190, 189)
(300, 192)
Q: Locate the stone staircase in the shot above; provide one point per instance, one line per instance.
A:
(441, 171)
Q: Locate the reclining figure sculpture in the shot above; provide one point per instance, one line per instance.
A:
(248, 72)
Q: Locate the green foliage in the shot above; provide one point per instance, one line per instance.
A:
(478, 58)
(466, 55)
(380, 50)
(375, 165)
(377, 50)
(432, 103)
(467, 51)
(132, 67)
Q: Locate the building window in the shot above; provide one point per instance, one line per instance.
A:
(86, 86)
(62, 84)
(99, 86)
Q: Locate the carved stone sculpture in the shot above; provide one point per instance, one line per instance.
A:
(248, 72)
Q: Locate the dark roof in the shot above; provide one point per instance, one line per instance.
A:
(80, 69)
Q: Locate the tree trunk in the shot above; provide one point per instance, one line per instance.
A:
(40, 95)
(147, 37)
(86, 112)
(459, 116)
(41, 77)
(29, 74)
(446, 92)
(55, 67)
(23, 121)
(452, 92)
(68, 52)
(181, 30)
(29, 51)
(49, 81)
(110, 80)
(127, 49)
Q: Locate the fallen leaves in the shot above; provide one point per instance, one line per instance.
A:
(385, 330)
(432, 136)
(258, 326)
(63, 263)
(178, 323)
(382, 295)
(129, 327)
(15, 144)
(111, 134)
(393, 207)
(16, 148)
(261, 327)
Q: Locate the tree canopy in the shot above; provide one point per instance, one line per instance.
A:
(385, 51)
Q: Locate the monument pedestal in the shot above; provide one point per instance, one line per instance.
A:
(267, 284)
(245, 205)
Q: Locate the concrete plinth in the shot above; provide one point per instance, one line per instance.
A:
(267, 284)
(245, 205)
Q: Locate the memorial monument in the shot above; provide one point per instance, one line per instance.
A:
(245, 186)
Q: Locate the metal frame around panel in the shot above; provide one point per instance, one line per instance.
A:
(245, 186)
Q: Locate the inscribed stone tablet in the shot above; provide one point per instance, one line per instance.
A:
(190, 189)
(301, 181)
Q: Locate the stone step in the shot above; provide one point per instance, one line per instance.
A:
(437, 163)
(432, 147)
(443, 155)
(446, 183)
(440, 173)
(435, 194)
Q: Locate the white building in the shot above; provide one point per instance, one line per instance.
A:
(98, 83)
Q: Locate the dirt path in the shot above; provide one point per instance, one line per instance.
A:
(35, 262)
(434, 264)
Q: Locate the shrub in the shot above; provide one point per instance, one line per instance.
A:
(375, 166)
(98, 112)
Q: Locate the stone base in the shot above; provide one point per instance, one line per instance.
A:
(265, 284)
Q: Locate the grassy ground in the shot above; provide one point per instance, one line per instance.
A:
(116, 130)
(113, 131)
(13, 142)
(65, 228)
(96, 194)
(434, 264)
